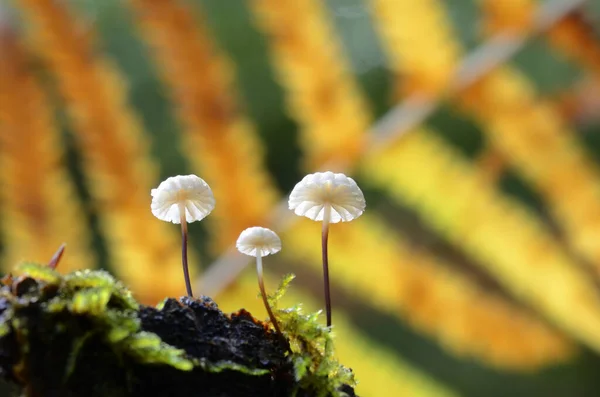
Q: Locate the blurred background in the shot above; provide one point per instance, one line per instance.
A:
(472, 126)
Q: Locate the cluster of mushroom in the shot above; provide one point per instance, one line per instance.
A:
(323, 196)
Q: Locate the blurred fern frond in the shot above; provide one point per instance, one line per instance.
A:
(423, 63)
(514, 294)
(321, 93)
(219, 139)
(515, 16)
(497, 232)
(119, 171)
(579, 39)
(40, 207)
(381, 373)
(374, 264)
(528, 133)
(517, 123)
(574, 35)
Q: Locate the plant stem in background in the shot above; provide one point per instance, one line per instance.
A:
(57, 256)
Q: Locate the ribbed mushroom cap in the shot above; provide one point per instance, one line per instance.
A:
(258, 240)
(315, 191)
(188, 191)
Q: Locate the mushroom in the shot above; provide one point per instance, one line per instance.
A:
(331, 198)
(183, 199)
(258, 242)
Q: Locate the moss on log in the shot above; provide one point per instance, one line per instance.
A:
(84, 335)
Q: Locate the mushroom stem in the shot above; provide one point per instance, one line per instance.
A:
(263, 293)
(184, 254)
(324, 238)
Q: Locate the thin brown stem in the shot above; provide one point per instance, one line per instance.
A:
(324, 238)
(184, 255)
(263, 293)
(57, 256)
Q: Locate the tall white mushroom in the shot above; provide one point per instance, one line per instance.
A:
(331, 198)
(258, 242)
(183, 199)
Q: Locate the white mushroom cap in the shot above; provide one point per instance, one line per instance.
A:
(258, 240)
(314, 192)
(182, 191)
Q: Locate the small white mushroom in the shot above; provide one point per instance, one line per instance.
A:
(183, 199)
(258, 242)
(331, 198)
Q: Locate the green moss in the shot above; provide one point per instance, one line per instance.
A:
(228, 365)
(97, 296)
(41, 273)
(311, 343)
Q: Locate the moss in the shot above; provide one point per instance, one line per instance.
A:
(98, 297)
(84, 334)
(315, 365)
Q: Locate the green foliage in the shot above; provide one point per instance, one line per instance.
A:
(42, 273)
(311, 343)
(150, 349)
(229, 366)
(111, 308)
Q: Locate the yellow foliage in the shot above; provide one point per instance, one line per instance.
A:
(418, 41)
(455, 199)
(119, 171)
(528, 133)
(40, 208)
(321, 93)
(218, 139)
(534, 137)
(370, 261)
(379, 372)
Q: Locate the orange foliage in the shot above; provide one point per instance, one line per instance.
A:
(322, 95)
(219, 140)
(40, 208)
(575, 36)
(119, 170)
(515, 16)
